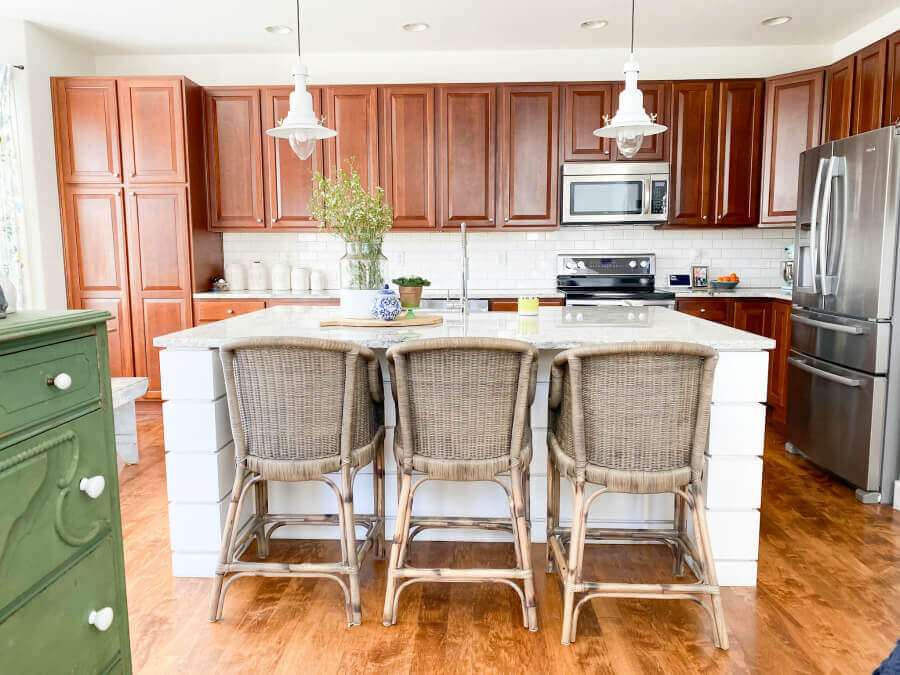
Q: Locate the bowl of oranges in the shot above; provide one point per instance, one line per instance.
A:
(727, 282)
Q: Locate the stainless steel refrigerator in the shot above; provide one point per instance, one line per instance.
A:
(843, 409)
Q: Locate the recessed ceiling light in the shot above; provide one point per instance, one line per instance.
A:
(594, 24)
(278, 29)
(775, 20)
(416, 27)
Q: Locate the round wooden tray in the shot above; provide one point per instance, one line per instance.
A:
(418, 320)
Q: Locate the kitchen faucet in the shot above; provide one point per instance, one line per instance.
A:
(463, 304)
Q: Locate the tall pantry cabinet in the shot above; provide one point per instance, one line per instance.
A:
(132, 191)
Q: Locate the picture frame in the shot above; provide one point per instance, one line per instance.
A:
(699, 276)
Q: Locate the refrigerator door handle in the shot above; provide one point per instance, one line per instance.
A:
(822, 254)
(813, 225)
(840, 328)
(831, 377)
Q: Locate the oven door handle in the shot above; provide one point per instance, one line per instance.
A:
(831, 377)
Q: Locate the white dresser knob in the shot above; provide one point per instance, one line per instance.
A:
(231, 311)
(101, 619)
(93, 487)
(62, 381)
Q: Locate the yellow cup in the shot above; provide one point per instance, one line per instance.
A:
(528, 306)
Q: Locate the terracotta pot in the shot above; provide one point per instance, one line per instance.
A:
(410, 295)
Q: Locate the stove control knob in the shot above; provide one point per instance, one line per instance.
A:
(632, 263)
(644, 263)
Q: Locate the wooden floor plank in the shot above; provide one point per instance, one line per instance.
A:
(828, 598)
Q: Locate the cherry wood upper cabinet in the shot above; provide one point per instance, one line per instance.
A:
(656, 101)
(96, 263)
(467, 157)
(152, 123)
(407, 154)
(838, 99)
(693, 137)
(868, 87)
(738, 152)
(584, 106)
(529, 155)
(288, 178)
(159, 271)
(234, 158)
(87, 129)
(793, 124)
(892, 81)
(352, 111)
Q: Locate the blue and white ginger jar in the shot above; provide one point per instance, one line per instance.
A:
(387, 305)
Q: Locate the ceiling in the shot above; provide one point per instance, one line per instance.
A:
(229, 26)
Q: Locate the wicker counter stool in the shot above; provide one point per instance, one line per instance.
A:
(463, 414)
(302, 408)
(631, 418)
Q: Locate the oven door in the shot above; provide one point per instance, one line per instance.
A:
(618, 302)
(599, 199)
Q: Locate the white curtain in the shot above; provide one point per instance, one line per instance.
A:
(12, 227)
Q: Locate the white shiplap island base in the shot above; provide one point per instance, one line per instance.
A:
(200, 453)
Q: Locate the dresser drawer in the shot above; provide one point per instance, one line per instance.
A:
(206, 311)
(51, 634)
(45, 518)
(711, 310)
(29, 396)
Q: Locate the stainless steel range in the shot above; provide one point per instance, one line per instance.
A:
(597, 279)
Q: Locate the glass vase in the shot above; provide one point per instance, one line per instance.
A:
(364, 272)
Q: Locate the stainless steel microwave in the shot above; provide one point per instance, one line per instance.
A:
(613, 193)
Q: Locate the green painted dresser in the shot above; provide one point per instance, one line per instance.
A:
(62, 578)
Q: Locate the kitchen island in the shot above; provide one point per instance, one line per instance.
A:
(200, 453)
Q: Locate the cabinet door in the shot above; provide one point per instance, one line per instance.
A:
(781, 332)
(234, 158)
(793, 124)
(753, 316)
(892, 82)
(838, 99)
(529, 155)
(738, 152)
(152, 113)
(467, 157)
(288, 178)
(584, 107)
(656, 102)
(868, 87)
(407, 154)
(87, 129)
(93, 223)
(352, 111)
(693, 135)
(160, 272)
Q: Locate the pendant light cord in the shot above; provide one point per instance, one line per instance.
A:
(298, 31)
(632, 26)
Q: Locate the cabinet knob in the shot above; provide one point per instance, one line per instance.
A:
(101, 619)
(231, 311)
(506, 220)
(702, 310)
(131, 194)
(719, 216)
(274, 220)
(132, 174)
(93, 487)
(490, 220)
(62, 381)
(259, 220)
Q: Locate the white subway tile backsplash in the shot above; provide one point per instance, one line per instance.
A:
(528, 259)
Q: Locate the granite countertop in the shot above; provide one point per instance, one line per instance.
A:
(427, 293)
(553, 328)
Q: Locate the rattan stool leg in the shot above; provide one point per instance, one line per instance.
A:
(574, 555)
(720, 631)
(378, 477)
(349, 535)
(401, 531)
(552, 511)
(217, 598)
(261, 500)
(680, 523)
(520, 522)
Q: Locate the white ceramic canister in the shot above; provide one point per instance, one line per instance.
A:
(316, 281)
(281, 277)
(299, 279)
(257, 276)
(236, 276)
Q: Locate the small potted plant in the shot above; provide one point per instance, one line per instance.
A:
(410, 290)
(350, 212)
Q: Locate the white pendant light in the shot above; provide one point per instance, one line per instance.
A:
(301, 126)
(631, 122)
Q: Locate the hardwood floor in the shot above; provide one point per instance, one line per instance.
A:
(828, 598)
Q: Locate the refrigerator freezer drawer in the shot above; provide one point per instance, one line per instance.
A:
(856, 344)
(836, 416)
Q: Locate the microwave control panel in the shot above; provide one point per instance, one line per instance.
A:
(658, 197)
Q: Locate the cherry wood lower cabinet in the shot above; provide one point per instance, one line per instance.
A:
(793, 123)
(210, 310)
(868, 87)
(512, 304)
(764, 316)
